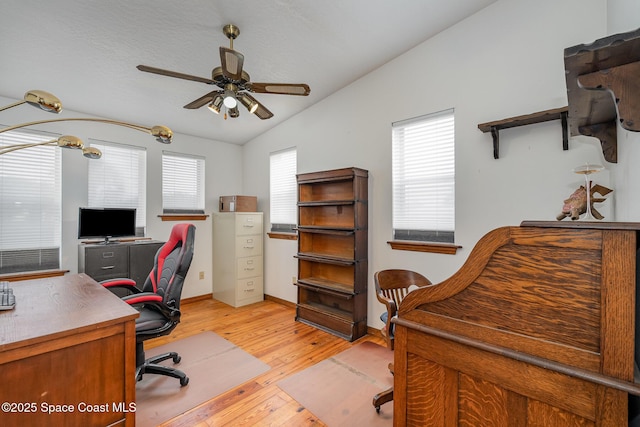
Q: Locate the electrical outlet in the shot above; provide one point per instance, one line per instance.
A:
(201, 275)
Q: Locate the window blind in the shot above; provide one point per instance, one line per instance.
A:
(423, 160)
(283, 190)
(119, 179)
(182, 183)
(30, 204)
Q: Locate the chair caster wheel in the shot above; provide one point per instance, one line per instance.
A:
(177, 358)
(184, 381)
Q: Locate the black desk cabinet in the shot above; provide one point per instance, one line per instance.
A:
(121, 259)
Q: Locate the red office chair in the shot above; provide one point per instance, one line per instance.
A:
(159, 300)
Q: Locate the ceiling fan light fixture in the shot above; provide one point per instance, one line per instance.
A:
(249, 103)
(216, 104)
(230, 101)
(234, 112)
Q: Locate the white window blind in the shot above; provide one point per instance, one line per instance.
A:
(283, 190)
(30, 204)
(119, 179)
(182, 183)
(424, 178)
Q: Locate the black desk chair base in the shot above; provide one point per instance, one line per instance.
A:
(152, 366)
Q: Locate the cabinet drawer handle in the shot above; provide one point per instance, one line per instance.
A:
(107, 255)
(249, 269)
(107, 267)
(249, 290)
(248, 247)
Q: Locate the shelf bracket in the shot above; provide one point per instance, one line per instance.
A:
(495, 134)
(606, 132)
(565, 130)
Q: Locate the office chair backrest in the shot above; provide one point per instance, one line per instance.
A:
(394, 284)
(172, 262)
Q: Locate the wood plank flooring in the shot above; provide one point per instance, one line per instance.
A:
(268, 331)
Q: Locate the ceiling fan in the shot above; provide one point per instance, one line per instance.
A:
(234, 83)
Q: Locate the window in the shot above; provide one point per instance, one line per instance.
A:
(119, 180)
(30, 204)
(424, 178)
(182, 183)
(283, 190)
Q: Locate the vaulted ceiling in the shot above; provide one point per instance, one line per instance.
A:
(86, 52)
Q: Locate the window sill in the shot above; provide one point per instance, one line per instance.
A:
(183, 217)
(437, 248)
(283, 236)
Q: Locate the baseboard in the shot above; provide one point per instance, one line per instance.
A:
(280, 301)
(197, 298)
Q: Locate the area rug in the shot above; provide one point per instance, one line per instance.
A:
(339, 390)
(213, 365)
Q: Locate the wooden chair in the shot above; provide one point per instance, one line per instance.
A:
(391, 288)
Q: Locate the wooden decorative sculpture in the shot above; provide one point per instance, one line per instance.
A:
(576, 204)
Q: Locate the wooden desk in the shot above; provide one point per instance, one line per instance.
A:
(68, 347)
(536, 329)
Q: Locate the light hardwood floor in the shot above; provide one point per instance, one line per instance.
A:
(268, 331)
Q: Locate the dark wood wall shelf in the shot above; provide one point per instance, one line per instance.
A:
(603, 87)
(528, 119)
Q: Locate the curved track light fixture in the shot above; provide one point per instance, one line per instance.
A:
(50, 103)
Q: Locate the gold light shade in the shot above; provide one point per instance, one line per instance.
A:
(70, 141)
(91, 153)
(65, 141)
(216, 104)
(43, 100)
(162, 133)
(249, 103)
(234, 112)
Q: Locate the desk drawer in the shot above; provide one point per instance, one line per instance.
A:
(107, 261)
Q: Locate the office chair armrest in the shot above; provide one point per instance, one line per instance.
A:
(392, 310)
(142, 298)
(121, 283)
(389, 304)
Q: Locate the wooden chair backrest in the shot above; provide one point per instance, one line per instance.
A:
(395, 283)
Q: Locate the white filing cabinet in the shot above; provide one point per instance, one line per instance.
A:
(237, 257)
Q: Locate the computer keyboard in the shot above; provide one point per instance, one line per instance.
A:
(7, 299)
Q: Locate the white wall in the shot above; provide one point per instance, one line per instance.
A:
(624, 16)
(222, 177)
(506, 60)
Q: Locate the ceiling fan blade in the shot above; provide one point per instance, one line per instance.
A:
(203, 100)
(232, 62)
(280, 88)
(168, 73)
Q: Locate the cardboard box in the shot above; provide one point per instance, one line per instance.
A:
(238, 204)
